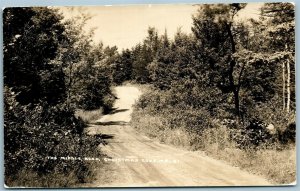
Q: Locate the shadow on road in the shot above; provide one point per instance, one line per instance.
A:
(103, 138)
(106, 136)
(110, 123)
(117, 111)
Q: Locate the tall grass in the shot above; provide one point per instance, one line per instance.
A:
(89, 116)
(277, 165)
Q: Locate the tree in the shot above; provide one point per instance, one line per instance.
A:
(215, 29)
(31, 40)
(72, 51)
(139, 66)
(152, 42)
(87, 66)
(123, 67)
(165, 40)
(143, 54)
(280, 19)
(37, 122)
(174, 61)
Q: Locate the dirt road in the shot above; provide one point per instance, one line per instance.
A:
(136, 160)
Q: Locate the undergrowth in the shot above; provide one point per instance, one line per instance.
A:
(37, 137)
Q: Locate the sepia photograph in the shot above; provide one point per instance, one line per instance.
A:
(149, 95)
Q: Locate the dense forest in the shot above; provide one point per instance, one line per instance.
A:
(229, 84)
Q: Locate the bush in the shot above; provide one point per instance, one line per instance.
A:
(158, 118)
(108, 103)
(33, 133)
(271, 114)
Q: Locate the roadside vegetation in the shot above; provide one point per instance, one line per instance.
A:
(56, 80)
(253, 149)
(227, 89)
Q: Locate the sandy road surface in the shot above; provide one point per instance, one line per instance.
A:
(139, 161)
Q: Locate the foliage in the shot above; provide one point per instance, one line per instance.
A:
(87, 67)
(31, 40)
(220, 88)
(122, 70)
(163, 105)
(33, 133)
(50, 68)
(220, 68)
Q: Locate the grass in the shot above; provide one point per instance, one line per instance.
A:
(278, 166)
(89, 116)
(30, 179)
(33, 180)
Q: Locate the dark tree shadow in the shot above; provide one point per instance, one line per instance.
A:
(110, 123)
(117, 111)
(105, 136)
(114, 110)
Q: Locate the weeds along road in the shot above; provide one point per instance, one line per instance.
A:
(135, 160)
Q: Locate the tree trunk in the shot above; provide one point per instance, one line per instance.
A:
(237, 103)
(234, 87)
(69, 85)
(288, 87)
(283, 85)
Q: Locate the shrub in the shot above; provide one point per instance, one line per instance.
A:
(33, 133)
(154, 115)
(108, 102)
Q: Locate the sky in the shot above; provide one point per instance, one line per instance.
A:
(125, 26)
